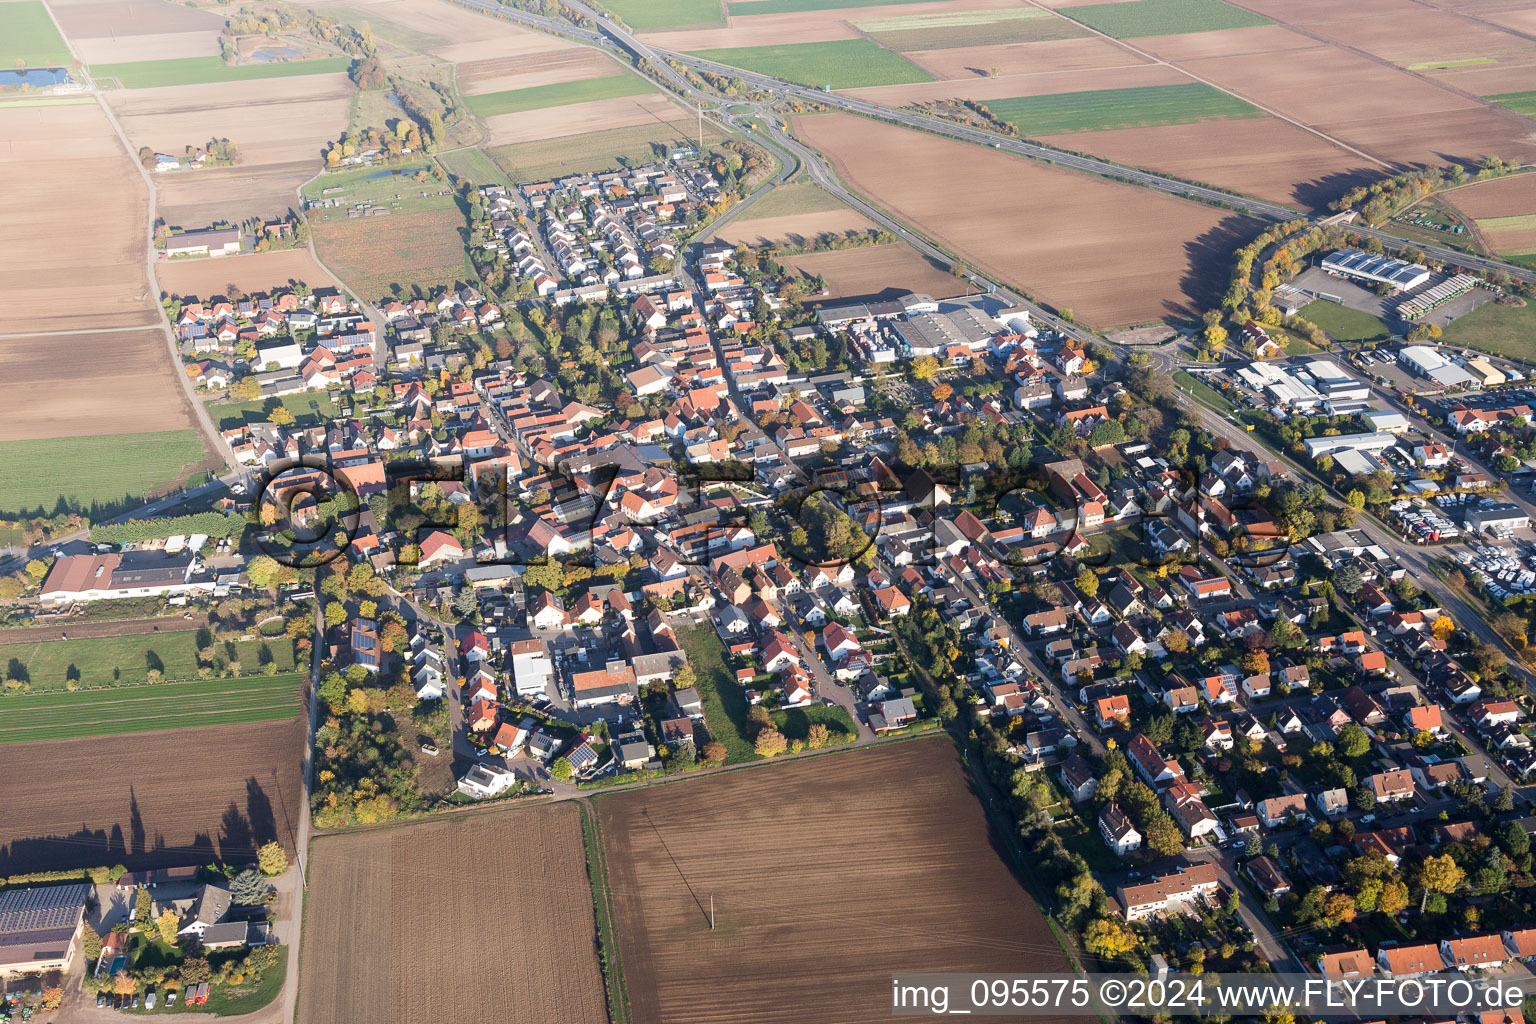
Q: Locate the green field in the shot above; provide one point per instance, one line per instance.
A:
(1203, 392)
(561, 94)
(475, 167)
(642, 15)
(1502, 330)
(307, 409)
(725, 705)
(383, 28)
(31, 41)
(596, 151)
(65, 716)
(1437, 65)
(1519, 102)
(789, 200)
(948, 30)
(1519, 223)
(1102, 109)
(1136, 18)
(1345, 324)
(742, 7)
(126, 660)
(151, 74)
(101, 469)
(843, 64)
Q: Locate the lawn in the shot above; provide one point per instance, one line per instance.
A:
(725, 705)
(99, 470)
(31, 40)
(127, 660)
(152, 74)
(1502, 330)
(308, 409)
(62, 715)
(1137, 18)
(561, 94)
(592, 152)
(952, 29)
(790, 200)
(1101, 109)
(1345, 324)
(1519, 102)
(795, 723)
(843, 64)
(1203, 392)
(642, 15)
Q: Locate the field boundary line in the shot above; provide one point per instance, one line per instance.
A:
(605, 922)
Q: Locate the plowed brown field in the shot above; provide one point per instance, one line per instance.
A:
(150, 799)
(569, 65)
(1050, 55)
(1114, 253)
(827, 874)
(258, 272)
(486, 917)
(876, 270)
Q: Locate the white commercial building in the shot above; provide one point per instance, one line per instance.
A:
(1362, 266)
(1431, 365)
(1349, 442)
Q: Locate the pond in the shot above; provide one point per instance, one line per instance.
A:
(276, 54)
(33, 78)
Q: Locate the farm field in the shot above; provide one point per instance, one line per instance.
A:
(1519, 102)
(28, 37)
(1345, 324)
(66, 716)
(126, 660)
(454, 34)
(279, 125)
(875, 270)
(593, 151)
(474, 166)
(738, 8)
(955, 29)
(842, 64)
(557, 95)
(1503, 330)
(122, 31)
(802, 954)
(1113, 253)
(1025, 62)
(648, 108)
(794, 198)
(1259, 156)
(1119, 108)
(256, 272)
(644, 15)
(77, 224)
(88, 470)
(1128, 77)
(793, 212)
(154, 74)
(1136, 18)
(399, 885)
(571, 64)
(226, 790)
(1502, 209)
(421, 250)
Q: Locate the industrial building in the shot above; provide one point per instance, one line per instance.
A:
(1362, 266)
(1432, 366)
(928, 334)
(1490, 375)
(1304, 388)
(1349, 442)
(1500, 517)
(1387, 422)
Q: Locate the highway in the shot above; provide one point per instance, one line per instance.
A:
(610, 32)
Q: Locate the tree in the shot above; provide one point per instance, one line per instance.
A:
(817, 736)
(714, 753)
(262, 571)
(1215, 336)
(1108, 939)
(924, 368)
(1441, 874)
(1444, 627)
(90, 943)
(53, 995)
(1163, 836)
(770, 743)
(168, 924)
(1105, 433)
(271, 859)
(335, 614)
(123, 985)
(1354, 742)
(1087, 582)
(561, 769)
(195, 971)
(248, 888)
(1348, 580)
(141, 908)
(758, 719)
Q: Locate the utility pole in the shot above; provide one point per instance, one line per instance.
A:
(712, 911)
(700, 108)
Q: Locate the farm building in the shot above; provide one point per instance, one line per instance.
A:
(204, 243)
(1431, 365)
(131, 574)
(1362, 266)
(38, 927)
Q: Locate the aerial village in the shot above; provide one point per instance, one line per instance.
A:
(670, 512)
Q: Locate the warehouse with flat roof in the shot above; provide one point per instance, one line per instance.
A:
(1363, 266)
(1431, 365)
